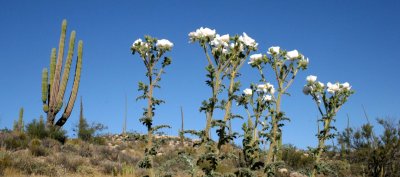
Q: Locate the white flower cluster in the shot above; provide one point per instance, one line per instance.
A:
(254, 58)
(336, 87)
(201, 33)
(248, 41)
(139, 42)
(219, 42)
(164, 44)
(266, 88)
(160, 44)
(274, 50)
(313, 85)
(248, 92)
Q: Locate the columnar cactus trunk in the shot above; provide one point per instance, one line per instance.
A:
(53, 89)
(19, 125)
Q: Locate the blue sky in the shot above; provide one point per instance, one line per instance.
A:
(355, 41)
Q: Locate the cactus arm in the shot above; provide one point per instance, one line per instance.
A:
(21, 120)
(45, 90)
(75, 86)
(67, 68)
(52, 65)
(44, 85)
(57, 73)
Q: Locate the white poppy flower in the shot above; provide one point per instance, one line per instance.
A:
(248, 41)
(164, 43)
(274, 49)
(292, 54)
(311, 78)
(248, 92)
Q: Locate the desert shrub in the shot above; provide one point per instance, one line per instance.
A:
(127, 159)
(85, 170)
(98, 140)
(14, 141)
(37, 129)
(5, 161)
(28, 165)
(68, 161)
(58, 134)
(107, 153)
(337, 168)
(296, 159)
(88, 132)
(111, 168)
(36, 148)
(86, 150)
(244, 172)
(51, 144)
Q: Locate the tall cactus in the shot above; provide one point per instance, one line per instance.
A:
(53, 89)
(19, 125)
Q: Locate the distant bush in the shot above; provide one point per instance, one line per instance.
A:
(13, 141)
(28, 165)
(37, 129)
(36, 148)
(296, 159)
(5, 161)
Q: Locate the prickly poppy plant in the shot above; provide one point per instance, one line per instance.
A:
(151, 52)
(285, 66)
(225, 56)
(329, 99)
(257, 101)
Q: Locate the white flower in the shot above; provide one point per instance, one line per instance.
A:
(292, 54)
(261, 88)
(164, 43)
(224, 51)
(225, 38)
(321, 84)
(220, 40)
(311, 78)
(307, 89)
(346, 86)
(333, 88)
(202, 32)
(137, 41)
(248, 92)
(248, 41)
(266, 87)
(274, 49)
(303, 62)
(267, 98)
(254, 58)
(271, 88)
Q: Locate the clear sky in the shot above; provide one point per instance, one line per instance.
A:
(356, 41)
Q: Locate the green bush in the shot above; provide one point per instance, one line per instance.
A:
(296, 159)
(14, 140)
(36, 148)
(37, 129)
(28, 165)
(5, 161)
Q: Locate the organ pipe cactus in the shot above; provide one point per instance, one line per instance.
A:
(19, 125)
(54, 84)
